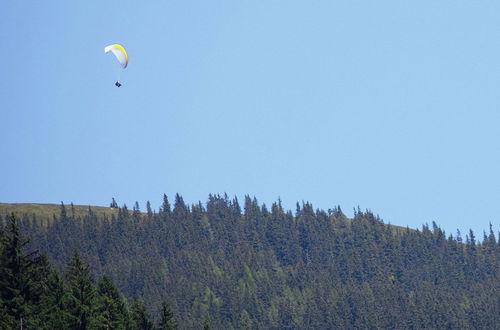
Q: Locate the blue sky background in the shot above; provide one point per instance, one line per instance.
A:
(390, 105)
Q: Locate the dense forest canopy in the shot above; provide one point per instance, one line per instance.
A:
(35, 296)
(251, 266)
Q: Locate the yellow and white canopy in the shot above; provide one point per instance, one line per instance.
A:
(119, 52)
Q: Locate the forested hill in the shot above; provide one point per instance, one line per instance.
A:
(249, 266)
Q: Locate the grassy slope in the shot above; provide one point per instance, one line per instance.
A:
(46, 212)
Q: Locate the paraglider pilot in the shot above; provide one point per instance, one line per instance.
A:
(121, 56)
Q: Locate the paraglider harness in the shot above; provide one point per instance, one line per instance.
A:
(117, 84)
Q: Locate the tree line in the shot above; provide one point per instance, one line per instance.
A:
(252, 266)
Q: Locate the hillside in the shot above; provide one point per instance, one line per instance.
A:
(46, 212)
(250, 266)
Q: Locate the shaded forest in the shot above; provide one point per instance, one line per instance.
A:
(33, 295)
(251, 266)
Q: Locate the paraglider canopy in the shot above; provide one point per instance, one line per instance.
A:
(119, 52)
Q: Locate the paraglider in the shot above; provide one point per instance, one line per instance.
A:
(120, 54)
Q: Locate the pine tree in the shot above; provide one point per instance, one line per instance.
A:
(63, 211)
(7, 321)
(180, 208)
(53, 313)
(167, 321)
(136, 213)
(111, 308)
(165, 208)
(17, 275)
(139, 317)
(149, 210)
(82, 294)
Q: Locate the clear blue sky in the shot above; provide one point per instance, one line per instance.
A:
(390, 105)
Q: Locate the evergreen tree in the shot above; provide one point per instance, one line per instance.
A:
(53, 313)
(139, 318)
(17, 276)
(111, 310)
(167, 321)
(7, 321)
(165, 207)
(82, 294)
(149, 210)
(136, 212)
(63, 211)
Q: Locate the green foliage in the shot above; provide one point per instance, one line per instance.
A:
(139, 316)
(33, 295)
(206, 324)
(45, 212)
(19, 284)
(112, 312)
(54, 297)
(263, 268)
(7, 321)
(82, 297)
(167, 321)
